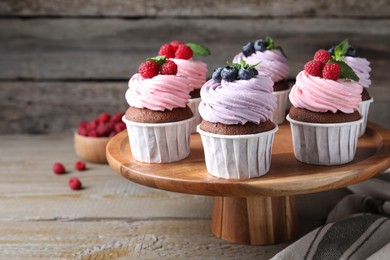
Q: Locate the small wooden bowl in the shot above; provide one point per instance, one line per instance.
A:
(91, 149)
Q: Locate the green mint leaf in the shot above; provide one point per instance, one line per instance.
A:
(341, 49)
(198, 49)
(272, 46)
(254, 65)
(160, 60)
(347, 72)
(237, 66)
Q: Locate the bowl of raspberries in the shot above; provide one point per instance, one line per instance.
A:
(91, 137)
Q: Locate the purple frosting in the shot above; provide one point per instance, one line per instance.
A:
(238, 102)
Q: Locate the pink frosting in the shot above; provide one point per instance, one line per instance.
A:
(158, 93)
(195, 71)
(361, 67)
(273, 62)
(322, 95)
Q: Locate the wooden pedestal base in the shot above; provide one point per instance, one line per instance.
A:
(254, 220)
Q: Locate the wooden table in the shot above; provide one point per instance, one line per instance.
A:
(41, 218)
(261, 210)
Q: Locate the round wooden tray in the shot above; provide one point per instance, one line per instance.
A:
(266, 203)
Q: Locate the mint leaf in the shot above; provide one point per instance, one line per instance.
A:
(346, 71)
(198, 49)
(235, 65)
(242, 64)
(340, 50)
(160, 60)
(272, 46)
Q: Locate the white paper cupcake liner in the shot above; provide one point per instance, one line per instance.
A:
(324, 144)
(159, 143)
(194, 105)
(363, 110)
(279, 113)
(238, 156)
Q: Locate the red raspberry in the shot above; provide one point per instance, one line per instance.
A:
(75, 183)
(175, 45)
(314, 68)
(167, 50)
(183, 52)
(104, 129)
(117, 117)
(93, 133)
(120, 126)
(323, 56)
(148, 69)
(104, 117)
(80, 166)
(92, 125)
(168, 68)
(112, 133)
(58, 168)
(331, 71)
(83, 131)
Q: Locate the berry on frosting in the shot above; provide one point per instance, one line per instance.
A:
(148, 69)
(183, 52)
(248, 49)
(235, 71)
(229, 73)
(167, 50)
(168, 68)
(175, 45)
(314, 68)
(260, 45)
(323, 56)
(331, 71)
(217, 74)
(351, 51)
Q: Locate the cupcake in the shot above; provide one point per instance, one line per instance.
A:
(361, 66)
(324, 116)
(236, 130)
(158, 119)
(194, 70)
(274, 62)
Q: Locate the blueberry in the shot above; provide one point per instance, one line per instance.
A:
(248, 49)
(246, 73)
(255, 72)
(260, 45)
(229, 74)
(331, 50)
(351, 51)
(217, 74)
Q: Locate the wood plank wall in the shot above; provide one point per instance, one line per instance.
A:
(66, 61)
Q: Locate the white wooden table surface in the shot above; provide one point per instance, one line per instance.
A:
(111, 218)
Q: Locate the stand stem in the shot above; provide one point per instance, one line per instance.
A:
(254, 220)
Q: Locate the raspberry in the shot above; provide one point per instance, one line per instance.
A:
(175, 45)
(104, 129)
(80, 166)
(167, 50)
(117, 118)
(93, 133)
(314, 68)
(112, 133)
(104, 117)
(92, 125)
(58, 168)
(120, 126)
(183, 52)
(75, 183)
(323, 56)
(83, 131)
(168, 68)
(331, 71)
(148, 69)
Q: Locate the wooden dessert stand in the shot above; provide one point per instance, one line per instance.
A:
(262, 210)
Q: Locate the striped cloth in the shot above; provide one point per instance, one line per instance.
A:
(357, 228)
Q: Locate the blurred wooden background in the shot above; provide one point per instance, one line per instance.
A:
(66, 61)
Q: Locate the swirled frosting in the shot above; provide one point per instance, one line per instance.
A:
(361, 67)
(273, 62)
(195, 71)
(321, 95)
(237, 102)
(158, 93)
